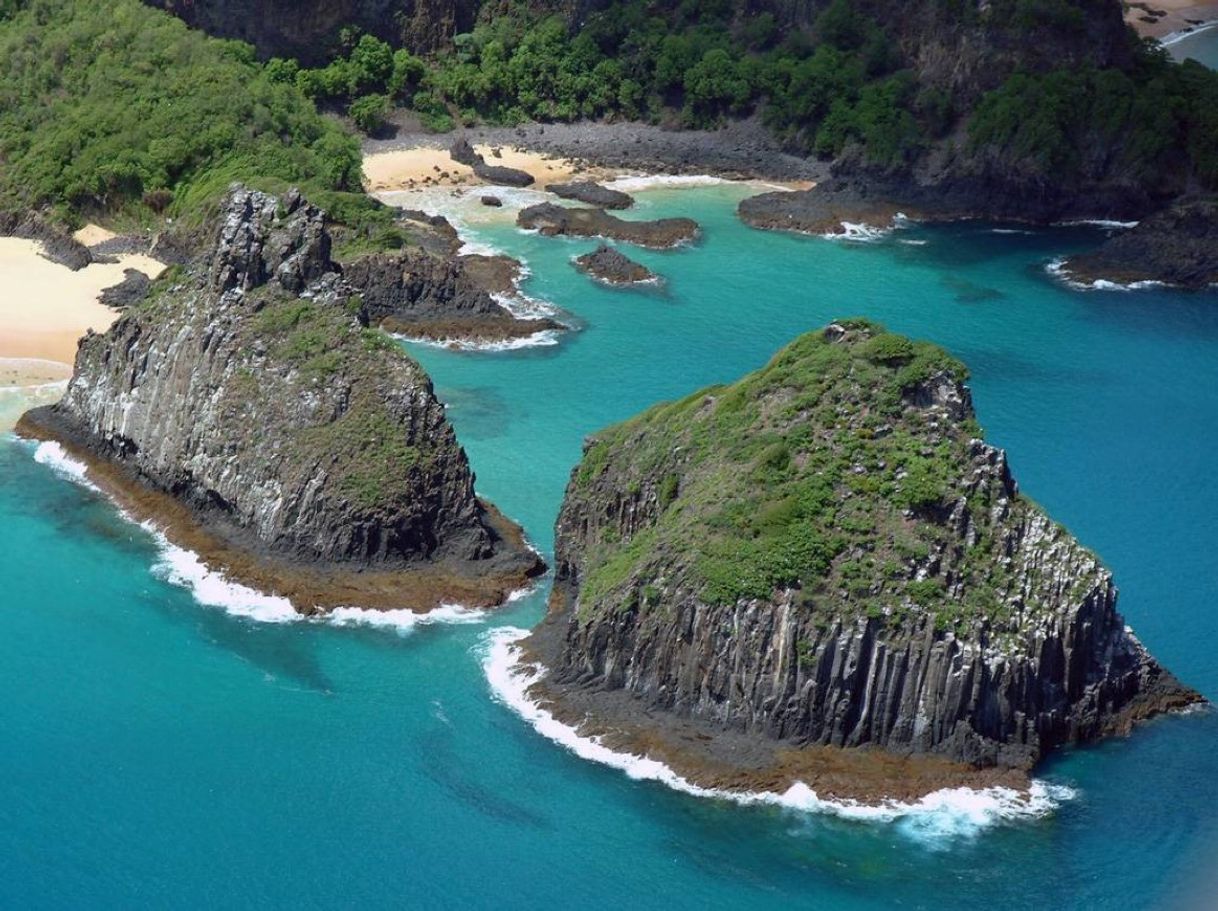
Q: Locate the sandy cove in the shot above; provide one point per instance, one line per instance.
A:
(409, 169)
(1176, 16)
(45, 308)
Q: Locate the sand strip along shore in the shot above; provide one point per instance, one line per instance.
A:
(413, 168)
(45, 308)
(1178, 16)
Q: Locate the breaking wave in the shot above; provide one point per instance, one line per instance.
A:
(1057, 269)
(212, 588)
(950, 812)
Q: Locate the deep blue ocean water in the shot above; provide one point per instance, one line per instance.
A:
(155, 752)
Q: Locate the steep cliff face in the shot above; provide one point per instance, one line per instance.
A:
(248, 389)
(309, 30)
(825, 554)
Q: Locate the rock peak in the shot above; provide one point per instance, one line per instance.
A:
(261, 238)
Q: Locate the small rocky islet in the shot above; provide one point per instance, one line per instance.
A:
(249, 407)
(822, 574)
(551, 220)
(612, 267)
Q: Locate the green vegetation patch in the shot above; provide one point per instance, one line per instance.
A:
(311, 345)
(819, 473)
(111, 107)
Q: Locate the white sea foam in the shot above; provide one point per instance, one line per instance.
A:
(1173, 37)
(212, 588)
(38, 390)
(858, 233)
(642, 182)
(943, 813)
(1098, 223)
(542, 339)
(1057, 268)
(1011, 231)
(403, 620)
(56, 458)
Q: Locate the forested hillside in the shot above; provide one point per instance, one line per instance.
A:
(110, 106)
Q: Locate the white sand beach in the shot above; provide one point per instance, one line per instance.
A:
(45, 308)
(409, 169)
(1177, 16)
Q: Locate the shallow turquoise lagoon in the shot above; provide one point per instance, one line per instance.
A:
(156, 752)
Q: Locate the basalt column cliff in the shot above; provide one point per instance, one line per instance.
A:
(246, 407)
(826, 555)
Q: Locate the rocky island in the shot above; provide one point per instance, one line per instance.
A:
(821, 573)
(453, 298)
(592, 194)
(611, 267)
(247, 407)
(552, 220)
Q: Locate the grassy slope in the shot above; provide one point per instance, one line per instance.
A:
(812, 473)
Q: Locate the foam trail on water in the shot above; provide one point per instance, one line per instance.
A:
(1110, 224)
(950, 812)
(642, 183)
(537, 340)
(211, 588)
(1057, 268)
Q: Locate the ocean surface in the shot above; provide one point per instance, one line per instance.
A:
(1200, 45)
(158, 751)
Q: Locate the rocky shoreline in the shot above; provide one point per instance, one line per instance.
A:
(742, 150)
(865, 604)
(311, 588)
(1177, 247)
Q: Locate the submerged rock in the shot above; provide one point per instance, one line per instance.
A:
(1178, 246)
(613, 268)
(246, 407)
(550, 219)
(593, 194)
(761, 580)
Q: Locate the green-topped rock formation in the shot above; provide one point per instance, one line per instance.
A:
(247, 407)
(826, 554)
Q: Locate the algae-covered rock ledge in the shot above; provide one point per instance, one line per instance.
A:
(822, 573)
(246, 406)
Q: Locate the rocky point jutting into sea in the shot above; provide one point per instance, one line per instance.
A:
(247, 407)
(822, 574)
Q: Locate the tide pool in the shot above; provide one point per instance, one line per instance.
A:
(158, 752)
